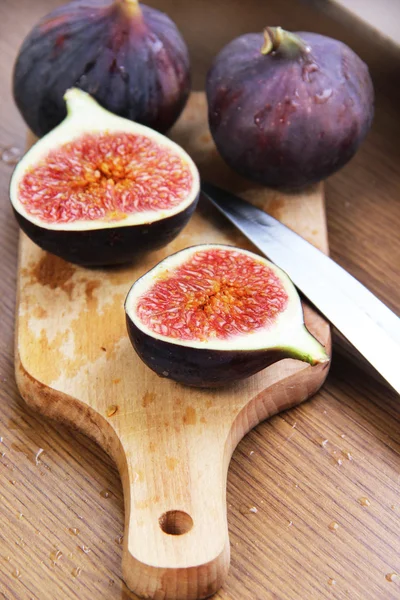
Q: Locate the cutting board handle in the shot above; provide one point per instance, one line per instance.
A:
(176, 543)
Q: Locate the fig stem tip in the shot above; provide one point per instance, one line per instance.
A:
(131, 8)
(279, 40)
(77, 100)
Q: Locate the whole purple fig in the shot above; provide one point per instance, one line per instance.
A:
(131, 58)
(288, 109)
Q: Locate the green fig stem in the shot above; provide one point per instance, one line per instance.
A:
(278, 40)
(130, 8)
(304, 346)
(79, 103)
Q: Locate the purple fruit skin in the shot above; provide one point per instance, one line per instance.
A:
(106, 247)
(288, 122)
(136, 67)
(199, 367)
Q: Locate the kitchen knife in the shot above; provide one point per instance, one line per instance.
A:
(370, 326)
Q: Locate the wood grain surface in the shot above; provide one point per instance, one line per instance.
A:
(57, 522)
(171, 443)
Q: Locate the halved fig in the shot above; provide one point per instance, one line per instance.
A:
(99, 189)
(211, 314)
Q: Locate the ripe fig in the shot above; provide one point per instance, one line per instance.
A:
(98, 189)
(131, 58)
(288, 109)
(211, 314)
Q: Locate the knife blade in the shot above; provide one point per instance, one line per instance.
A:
(364, 320)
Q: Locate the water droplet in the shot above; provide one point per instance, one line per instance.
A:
(55, 555)
(331, 581)
(105, 493)
(20, 516)
(364, 501)
(16, 573)
(111, 410)
(324, 443)
(76, 571)
(333, 526)
(345, 67)
(323, 96)
(119, 539)
(84, 549)
(38, 453)
(74, 530)
(124, 74)
(245, 510)
(342, 435)
(347, 454)
(8, 558)
(339, 462)
(12, 481)
(308, 70)
(1, 439)
(290, 523)
(392, 576)
(70, 555)
(261, 116)
(11, 155)
(165, 373)
(393, 506)
(251, 452)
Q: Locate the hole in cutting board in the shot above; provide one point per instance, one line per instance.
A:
(176, 522)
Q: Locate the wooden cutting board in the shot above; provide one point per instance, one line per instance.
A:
(172, 444)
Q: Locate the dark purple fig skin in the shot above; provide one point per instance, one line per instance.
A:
(134, 66)
(288, 121)
(106, 247)
(196, 366)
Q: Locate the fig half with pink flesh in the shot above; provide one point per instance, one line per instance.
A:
(212, 314)
(99, 189)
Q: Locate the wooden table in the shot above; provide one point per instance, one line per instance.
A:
(334, 460)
